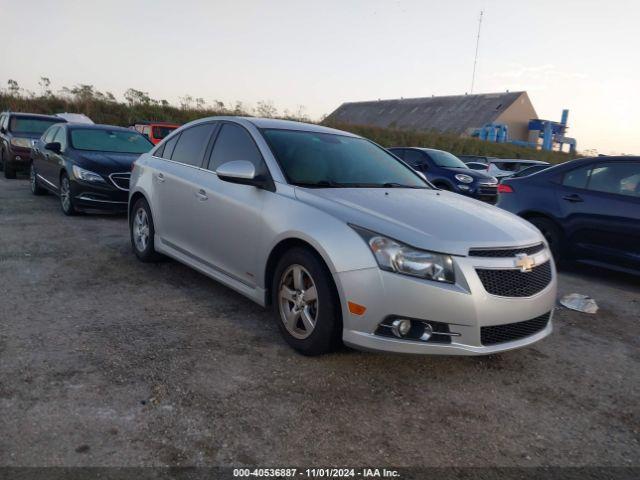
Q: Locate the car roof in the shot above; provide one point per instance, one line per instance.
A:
(36, 115)
(273, 123)
(94, 126)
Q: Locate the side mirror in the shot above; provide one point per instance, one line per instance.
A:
(54, 147)
(3, 130)
(239, 171)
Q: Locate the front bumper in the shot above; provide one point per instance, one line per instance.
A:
(99, 196)
(485, 192)
(465, 307)
(18, 157)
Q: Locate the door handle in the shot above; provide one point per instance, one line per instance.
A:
(160, 177)
(574, 198)
(202, 195)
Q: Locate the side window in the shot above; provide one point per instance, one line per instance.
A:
(48, 136)
(398, 152)
(192, 144)
(168, 148)
(159, 151)
(619, 178)
(414, 158)
(577, 178)
(235, 143)
(61, 138)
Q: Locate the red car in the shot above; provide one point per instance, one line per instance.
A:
(155, 131)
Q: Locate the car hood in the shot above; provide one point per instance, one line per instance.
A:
(434, 220)
(107, 162)
(476, 174)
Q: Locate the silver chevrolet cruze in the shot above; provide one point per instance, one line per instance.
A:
(342, 239)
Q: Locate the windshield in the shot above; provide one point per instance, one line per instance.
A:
(31, 125)
(313, 159)
(446, 159)
(109, 141)
(163, 131)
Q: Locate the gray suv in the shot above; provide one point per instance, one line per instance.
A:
(345, 241)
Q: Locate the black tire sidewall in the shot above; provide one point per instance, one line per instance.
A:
(327, 333)
(553, 235)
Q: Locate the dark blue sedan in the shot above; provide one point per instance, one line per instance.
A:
(588, 209)
(448, 172)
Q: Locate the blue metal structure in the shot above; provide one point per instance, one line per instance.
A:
(553, 133)
(550, 132)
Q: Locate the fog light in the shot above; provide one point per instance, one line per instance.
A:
(428, 331)
(18, 158)
(464, 187)
(401, 327)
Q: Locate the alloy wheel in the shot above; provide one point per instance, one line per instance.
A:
(298, 301)
(141, 230)
(65, 194)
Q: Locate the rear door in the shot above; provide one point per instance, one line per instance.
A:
(176, 185)
(39, 154)
(53, 161)
(601, 206)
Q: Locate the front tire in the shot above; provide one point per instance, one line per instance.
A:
(142, 232)
(36, 189)
(553, 235)
(66, 197)
(306, 304)
(9, 171)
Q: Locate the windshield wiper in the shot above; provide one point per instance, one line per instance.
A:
(320, 184)
(398, 185)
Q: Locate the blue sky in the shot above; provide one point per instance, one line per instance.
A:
(582, 55)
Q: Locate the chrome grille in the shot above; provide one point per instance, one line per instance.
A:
(121, 180)
(513, 331)
(515, 283)
(505, 252)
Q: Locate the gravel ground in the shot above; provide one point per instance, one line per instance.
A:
(106, 361)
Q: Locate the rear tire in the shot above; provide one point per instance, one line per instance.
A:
(306, 305)
(36, 189)
(553, 235)
(142, 232)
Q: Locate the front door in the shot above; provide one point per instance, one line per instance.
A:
(231, 216)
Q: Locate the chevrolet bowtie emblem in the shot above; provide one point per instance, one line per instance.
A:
(524, 262)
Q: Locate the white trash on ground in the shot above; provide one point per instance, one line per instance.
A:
(581, 303)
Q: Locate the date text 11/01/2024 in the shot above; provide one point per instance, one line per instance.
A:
(316, 472)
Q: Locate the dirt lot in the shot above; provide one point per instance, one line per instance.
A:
(108, 361)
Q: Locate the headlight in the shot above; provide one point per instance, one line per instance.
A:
(87, 175)
(21, 142)
(461, 177)
(396, 257)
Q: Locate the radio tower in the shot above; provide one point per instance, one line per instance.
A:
(475, 60)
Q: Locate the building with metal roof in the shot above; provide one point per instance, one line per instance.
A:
(461, 114)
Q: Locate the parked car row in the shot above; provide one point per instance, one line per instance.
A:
(347, 241)
(506, 168)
